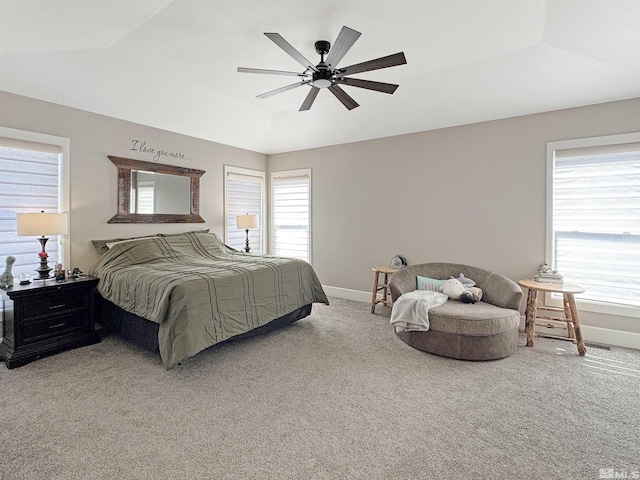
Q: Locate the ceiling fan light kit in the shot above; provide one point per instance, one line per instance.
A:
(326, 74)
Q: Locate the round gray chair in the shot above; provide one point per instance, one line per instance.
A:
(485, 330)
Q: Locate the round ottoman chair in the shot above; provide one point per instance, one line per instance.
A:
(485, 330)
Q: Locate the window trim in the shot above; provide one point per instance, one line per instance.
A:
(263, 219)
(552, 147)
(299, 172)
(64, 201)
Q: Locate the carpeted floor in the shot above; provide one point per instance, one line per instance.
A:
(335, 396)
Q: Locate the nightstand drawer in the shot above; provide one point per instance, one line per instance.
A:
(47, 305)
(53, 326)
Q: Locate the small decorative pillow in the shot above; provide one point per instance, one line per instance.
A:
(431, 284)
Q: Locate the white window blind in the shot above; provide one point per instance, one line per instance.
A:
(244, 194)
(145, 197)
(30, 181)
(292, 214)
(596, 222)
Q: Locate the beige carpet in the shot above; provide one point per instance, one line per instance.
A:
(335, 396)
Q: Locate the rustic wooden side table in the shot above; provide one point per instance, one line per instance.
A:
(570, 311)
(381, 287)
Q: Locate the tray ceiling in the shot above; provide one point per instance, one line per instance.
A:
(172, 64)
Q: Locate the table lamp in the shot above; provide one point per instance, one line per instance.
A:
(43, 224)
(245, 222)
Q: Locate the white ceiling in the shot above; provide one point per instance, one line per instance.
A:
(172, 64)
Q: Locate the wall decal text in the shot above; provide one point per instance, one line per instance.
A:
(143, 147)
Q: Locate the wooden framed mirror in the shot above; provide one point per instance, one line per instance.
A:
(151, 192)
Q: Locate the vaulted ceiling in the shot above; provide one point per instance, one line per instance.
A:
(172, 64)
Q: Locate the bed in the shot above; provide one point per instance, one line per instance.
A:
(195, 292)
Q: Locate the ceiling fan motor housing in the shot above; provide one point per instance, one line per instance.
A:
(322, 78)
(322, 47)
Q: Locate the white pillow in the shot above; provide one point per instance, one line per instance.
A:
(111, 244)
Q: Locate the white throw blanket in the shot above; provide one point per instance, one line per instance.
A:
(410, 311)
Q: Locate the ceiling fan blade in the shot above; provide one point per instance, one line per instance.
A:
(270, 72)
(368, 84)
(311, 96)
(378, 63)
(341, 95)
(281, 89)
(295, 54)
(346, 38)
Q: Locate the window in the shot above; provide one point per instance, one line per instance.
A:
(291, 213)
(32, 179)
(145, 197)
(244, 194)
(594, 215)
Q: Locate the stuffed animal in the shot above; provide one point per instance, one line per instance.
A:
(452, 288)
(6, 279)
(455, 290)
(467, 297)
(466, 282)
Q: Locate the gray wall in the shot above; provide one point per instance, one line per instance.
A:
(93, 199)
(472, 194)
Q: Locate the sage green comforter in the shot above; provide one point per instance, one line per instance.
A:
(201, 291)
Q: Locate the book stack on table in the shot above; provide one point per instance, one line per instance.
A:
(547, 275)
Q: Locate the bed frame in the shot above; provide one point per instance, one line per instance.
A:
(144, 333)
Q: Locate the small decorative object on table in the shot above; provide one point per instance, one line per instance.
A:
(6, 279)
(24, 278)
(59, 273)
(398, 262)
(547, 275)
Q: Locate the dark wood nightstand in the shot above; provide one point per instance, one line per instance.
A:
(46, 317)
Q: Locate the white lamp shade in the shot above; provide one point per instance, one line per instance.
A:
(245, 222)
(42, 224)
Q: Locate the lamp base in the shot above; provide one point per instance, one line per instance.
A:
(44, 268)
(247, 249)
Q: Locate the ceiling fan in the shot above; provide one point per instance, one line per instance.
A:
(326, 74)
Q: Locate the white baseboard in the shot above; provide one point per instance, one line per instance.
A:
(605, 336)
(348, 294)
